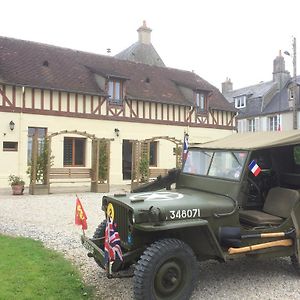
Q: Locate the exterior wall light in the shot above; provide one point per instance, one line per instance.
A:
(11, 125)
(117, 131)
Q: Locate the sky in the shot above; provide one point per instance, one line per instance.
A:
(238, 39)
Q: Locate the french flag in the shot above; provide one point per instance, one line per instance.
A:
(254, 168)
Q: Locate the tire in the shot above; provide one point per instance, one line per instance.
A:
(99, 233)
(295, 263)
(166, 270)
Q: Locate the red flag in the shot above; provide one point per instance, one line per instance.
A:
(80, 216)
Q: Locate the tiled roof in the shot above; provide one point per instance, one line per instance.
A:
(253, 108)
(279, 102)
(252, 92)
(50, 67)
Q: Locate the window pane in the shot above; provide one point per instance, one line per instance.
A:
(117, 90)
(227, 165)
(79, 152)
(111, 89)
(197, 162)
(68, 152)
(153, 154)
(197, 100)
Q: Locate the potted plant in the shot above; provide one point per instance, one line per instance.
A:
(17, 184)
(144, 168)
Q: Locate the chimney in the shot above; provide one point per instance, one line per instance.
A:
(280, 75)
(144, 34)
(227, 86)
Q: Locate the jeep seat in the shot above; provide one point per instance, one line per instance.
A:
(277, 207)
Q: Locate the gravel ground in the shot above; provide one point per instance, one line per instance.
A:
(50, 218)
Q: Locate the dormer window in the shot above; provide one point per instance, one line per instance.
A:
(115, 91)
(240, 101)
(200, 102)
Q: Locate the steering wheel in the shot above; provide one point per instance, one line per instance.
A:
(252, 185)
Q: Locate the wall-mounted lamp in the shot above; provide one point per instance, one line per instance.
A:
(117, 131)
(11, 125)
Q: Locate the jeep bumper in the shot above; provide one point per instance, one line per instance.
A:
(94, 250)
(129, 257)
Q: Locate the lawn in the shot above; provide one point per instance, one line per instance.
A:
(30, 271)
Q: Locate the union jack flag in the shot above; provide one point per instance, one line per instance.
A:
(112, 245)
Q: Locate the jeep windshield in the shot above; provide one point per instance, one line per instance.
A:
(211, 163)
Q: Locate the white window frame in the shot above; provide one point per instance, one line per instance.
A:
(115, 90)
(273, 123)
(240, 101)
(200, 102)
(251, 125)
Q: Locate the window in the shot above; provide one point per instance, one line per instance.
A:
(240, 101)
(197, 162)
(74, 152)
(41, 133)
(153, 154)
(200, 102)
(221, 164)
(10, 146)
(115, 91)
(274, 123)
(251, 125)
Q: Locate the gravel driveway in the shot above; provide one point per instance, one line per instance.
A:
(50, 218)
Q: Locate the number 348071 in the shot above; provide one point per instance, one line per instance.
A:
(185, 213)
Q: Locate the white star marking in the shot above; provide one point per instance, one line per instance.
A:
(157, 196)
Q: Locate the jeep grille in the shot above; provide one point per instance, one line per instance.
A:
(122, 221)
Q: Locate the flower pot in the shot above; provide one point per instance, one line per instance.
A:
(17, 189)
(99, 187)
(38, 189)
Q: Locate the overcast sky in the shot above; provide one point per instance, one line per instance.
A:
(238, 39)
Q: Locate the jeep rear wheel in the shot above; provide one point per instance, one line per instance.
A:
(166, 270)
(100, 233)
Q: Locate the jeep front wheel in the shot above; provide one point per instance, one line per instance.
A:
(166, 270)
(100, 233)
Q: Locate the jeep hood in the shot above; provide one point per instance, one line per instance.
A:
(176, 199)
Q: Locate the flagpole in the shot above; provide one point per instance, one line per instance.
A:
(184, 146)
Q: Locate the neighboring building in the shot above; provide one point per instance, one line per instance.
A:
(46, 89)
(266, 106)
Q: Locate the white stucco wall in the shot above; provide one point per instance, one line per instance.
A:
(16, 162)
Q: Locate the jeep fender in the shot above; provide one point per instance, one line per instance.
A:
(196, 233)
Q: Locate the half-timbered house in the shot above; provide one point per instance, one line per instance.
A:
(46, 89)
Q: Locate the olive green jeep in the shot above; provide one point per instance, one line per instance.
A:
(235, 197)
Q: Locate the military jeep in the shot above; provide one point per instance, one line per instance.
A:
(234, 197)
